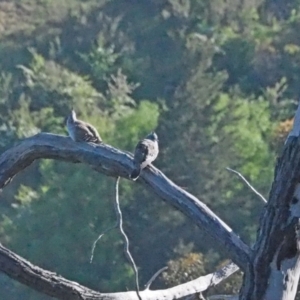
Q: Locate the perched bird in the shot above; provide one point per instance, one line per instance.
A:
(145, 153)
(80, 131)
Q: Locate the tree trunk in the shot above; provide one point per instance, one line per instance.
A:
(274, 270)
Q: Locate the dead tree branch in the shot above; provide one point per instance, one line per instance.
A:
(113, 162)
(148, 284)
(248, 184)
(54, 285)
(99, 238)
(126, 241)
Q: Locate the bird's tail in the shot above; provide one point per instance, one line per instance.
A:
(136, 172)
(98, 141)
(93, 139)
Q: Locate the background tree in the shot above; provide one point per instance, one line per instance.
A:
(209, 76)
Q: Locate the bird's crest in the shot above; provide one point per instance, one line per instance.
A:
(152, 136)
(72, 115)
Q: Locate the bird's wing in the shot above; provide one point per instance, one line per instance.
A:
(141, 152)
(81, 131)
(94, 132)
(86, 132)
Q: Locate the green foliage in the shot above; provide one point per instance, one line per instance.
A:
(72, 220)
(203, 125)
(50, 84)
(215, 79)
(101, 61)
(137, 124)
(56, 197)
(184, 269)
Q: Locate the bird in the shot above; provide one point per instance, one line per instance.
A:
(81, 131)
(145, 153)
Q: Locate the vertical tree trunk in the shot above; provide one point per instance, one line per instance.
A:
(275, 268)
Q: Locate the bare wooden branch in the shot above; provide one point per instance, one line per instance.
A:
(126, 240)
(41, 280)
(114, 162)
(54, 285)
(148, 284)
(248, 184)
(99, 238)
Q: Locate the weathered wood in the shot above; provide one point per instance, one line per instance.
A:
(114, 162)
(56, 286)
(274, 271)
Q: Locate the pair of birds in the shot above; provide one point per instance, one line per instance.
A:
(145, 152)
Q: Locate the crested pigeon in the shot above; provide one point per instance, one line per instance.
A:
(145, 153)
(81, 131)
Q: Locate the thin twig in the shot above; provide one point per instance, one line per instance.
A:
(126, 241)
(99, 237)
(147, 285)
(248, 184)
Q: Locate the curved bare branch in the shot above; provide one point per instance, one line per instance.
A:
(114, 162)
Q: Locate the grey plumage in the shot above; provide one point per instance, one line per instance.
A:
(81, 131)
(145, 153)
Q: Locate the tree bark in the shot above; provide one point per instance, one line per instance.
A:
(273, 273)
(51, 284)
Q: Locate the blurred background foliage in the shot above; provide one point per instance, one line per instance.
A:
(219, 82)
